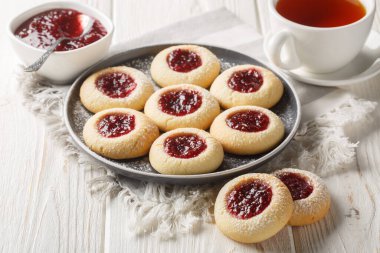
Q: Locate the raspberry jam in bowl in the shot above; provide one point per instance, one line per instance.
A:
(35, 30)
(44, 29)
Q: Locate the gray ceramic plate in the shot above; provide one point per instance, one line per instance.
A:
(76, 115)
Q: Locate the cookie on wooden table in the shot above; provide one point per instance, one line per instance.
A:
(182, 105)
(116, 87)
(120, 133)
(185, 64)
(310, 195)
(247, 130)
(247, 85)
(186, 151)
(253, 207)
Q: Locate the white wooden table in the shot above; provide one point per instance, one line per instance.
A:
(44, 203)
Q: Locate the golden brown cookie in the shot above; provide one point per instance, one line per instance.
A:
(185, 64)
(247, 85)
(120, 133)
(186, 151)
(182, 105)
(247, 130)
(310, 195)
(116, 87)
(253, 207)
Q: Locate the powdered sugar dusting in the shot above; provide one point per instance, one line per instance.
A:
(226, 64)
(285, 109)
(80, 116)
(143, 64)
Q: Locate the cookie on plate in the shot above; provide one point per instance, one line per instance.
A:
(120, 133)
(185, 64)
(116, 87)
(182, 105)
(247, 130)
(253, 207)
(186, 151)
(247, 85)
(310, 195)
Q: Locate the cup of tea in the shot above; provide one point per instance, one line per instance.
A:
(321, 36)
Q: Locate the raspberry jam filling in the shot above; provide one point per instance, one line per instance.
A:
(298, 185)
(248, 121)
(116, 125)
(249, 199)
(116, 84)
(184, 145)
(180, 102)
(184, 61)
(246, 81)
(43, 29)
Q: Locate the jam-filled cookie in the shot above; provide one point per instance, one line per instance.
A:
(247, 85)
(310, 195)
(182, 105)
(186, 151)
(116, 87)
(185, 64)
(253, 207)
(247, 130)
(120, 133)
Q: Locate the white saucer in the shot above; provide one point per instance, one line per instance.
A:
(362, 68)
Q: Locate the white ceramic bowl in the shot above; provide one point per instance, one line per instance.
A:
(62, 67)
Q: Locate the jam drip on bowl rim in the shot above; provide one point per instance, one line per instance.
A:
(184, 146)
(115, 84)
(246, 81)
(297, 184)
(43, 29)
(116, 125)
(180, 102)
(184, 61)
(249, 199)
(248, 121)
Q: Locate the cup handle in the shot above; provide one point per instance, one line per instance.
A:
(275, 45)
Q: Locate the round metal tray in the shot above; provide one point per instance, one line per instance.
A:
(288, 109)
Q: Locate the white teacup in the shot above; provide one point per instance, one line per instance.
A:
(319, 50)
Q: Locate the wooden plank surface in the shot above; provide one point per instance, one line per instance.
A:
(136, 17)
(341, 231)
(353, 223)
(45, 204)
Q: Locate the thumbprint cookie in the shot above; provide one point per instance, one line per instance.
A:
(253, 207)
(247, 85)
(182, 105)
(247, 130)
(120, 133)
(310, 195)
(185, 64)
(186, 151)
(116, 87)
